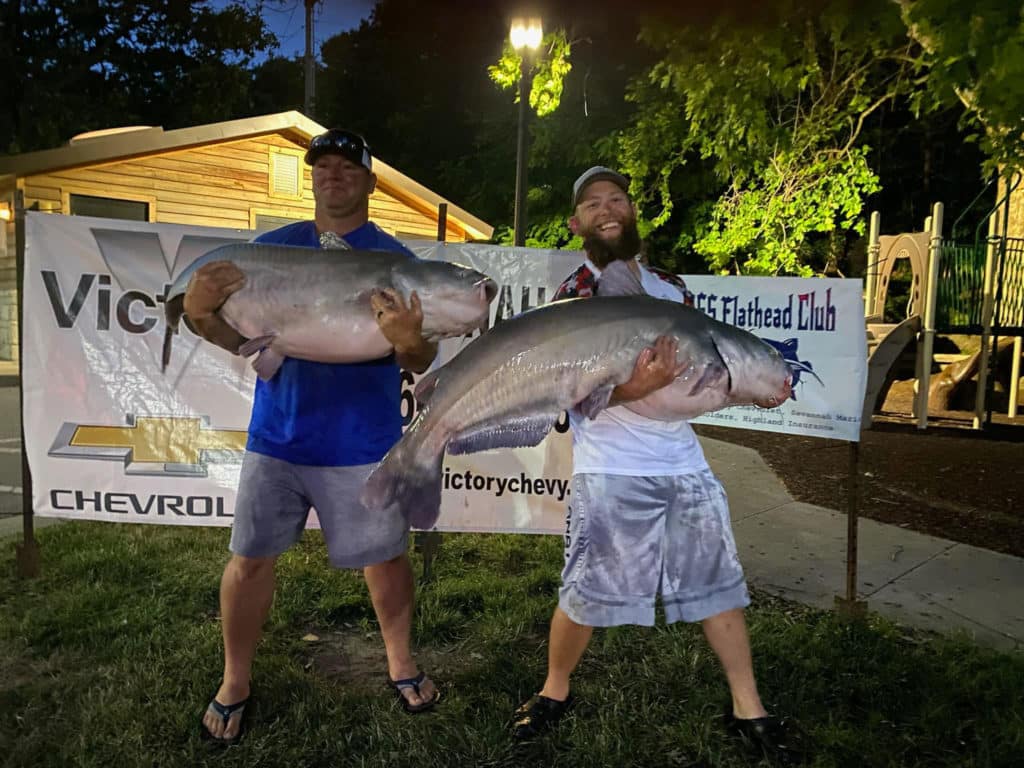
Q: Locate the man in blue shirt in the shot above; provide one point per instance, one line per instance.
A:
(316, 432)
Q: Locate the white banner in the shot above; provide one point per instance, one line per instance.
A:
(111, 437)
(818, 325)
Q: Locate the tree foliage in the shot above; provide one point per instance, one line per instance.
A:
(776, 108)
(81, 66)
(412, 78)
(754, 138)
(549, 70)
(580, 104)
(973, 51)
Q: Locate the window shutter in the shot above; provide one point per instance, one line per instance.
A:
(285, 175)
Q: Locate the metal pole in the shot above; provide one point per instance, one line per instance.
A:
(851, 524)
(987, 305)
(850, 606)
(428, 543)
(27, 557)
(310, 61)
(999, 283)
(1015, 379)
(519, 226)
(928, 334)
(871, 270)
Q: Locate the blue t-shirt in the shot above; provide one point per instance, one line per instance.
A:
(329, 414)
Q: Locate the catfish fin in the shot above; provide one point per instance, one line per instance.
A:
(411, 485)
(252, 346)
(173, 310)
(267, 362)
(425, 386)
(596, 401)
(524, 432)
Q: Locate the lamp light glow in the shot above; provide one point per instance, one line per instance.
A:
(526, 33)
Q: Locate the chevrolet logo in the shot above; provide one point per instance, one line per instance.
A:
(152, 445)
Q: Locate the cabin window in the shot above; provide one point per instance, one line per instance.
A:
(265, 223)
(108, 208)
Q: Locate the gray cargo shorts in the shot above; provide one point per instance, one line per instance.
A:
(629, 539)
(273, 502)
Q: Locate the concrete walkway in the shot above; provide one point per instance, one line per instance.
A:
(798, 551)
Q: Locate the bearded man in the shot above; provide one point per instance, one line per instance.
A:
(647, 516)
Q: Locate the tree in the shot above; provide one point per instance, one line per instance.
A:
(775, 106)
(278, 85)
(577, 91)
(973, 51)
(81, 66)
(411, 79)
(548, 68)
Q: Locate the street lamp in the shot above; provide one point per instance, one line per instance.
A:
(526, 35)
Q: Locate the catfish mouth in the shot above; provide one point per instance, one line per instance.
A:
(774, 401)
(456, 311)
(778, 392)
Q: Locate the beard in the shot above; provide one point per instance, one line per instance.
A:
(603, 252)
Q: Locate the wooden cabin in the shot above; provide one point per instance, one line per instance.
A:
(246, 174)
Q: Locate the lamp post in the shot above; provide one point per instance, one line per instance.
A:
(526, 35)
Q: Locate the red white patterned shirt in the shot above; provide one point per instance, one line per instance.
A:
(582, 283)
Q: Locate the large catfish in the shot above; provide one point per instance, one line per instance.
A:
(508, 387)
(314, 304)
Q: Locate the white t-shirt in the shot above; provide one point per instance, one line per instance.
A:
(620, 442)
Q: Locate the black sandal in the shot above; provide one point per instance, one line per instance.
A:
(770, 736)
(538, 714)
(414, 683)
(224, 712)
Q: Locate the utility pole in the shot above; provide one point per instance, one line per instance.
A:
(310, 62)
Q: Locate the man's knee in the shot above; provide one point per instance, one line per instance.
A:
(726, 621)
(389, 565)
(248, 569)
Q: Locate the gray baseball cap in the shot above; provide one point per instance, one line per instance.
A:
(597, 173)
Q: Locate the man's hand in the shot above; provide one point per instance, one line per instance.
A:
(656, 367)
(210, 286)
(403, 326)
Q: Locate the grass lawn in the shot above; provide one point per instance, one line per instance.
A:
(109, 659)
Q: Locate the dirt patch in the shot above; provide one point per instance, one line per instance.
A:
(354, 659)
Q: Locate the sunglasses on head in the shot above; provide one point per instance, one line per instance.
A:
(349, 145)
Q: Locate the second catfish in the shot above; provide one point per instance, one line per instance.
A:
(507, 388)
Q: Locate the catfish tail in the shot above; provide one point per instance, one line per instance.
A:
(408, 480)
(173, 310)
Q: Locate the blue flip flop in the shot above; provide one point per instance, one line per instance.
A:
(224, 712)
(413, 683)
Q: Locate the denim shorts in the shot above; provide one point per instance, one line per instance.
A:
(273, 503)
(630, 539)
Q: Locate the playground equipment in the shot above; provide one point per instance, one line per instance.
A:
(887, 341)
(956, 286)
